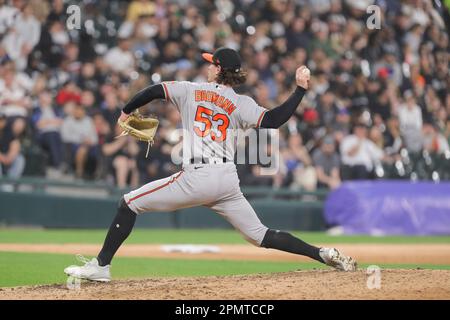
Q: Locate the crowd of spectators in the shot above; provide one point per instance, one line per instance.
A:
(379, 99)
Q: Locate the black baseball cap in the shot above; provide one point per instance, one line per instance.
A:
(226, 58)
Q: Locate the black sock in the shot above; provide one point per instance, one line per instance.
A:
(284, 241)
(118, 231)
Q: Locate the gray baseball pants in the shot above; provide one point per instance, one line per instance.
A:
(215, 186)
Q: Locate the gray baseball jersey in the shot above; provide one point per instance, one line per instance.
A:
(211, 115)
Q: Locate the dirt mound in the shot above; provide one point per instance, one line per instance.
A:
(316, 284)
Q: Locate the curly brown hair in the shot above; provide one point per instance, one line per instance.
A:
(231, 78)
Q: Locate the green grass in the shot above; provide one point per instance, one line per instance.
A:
(18, 269)
(191, 236)
(38, 268)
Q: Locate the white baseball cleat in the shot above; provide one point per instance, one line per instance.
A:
(90, 271)
(337, 260)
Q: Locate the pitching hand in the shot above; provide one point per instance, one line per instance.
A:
(302, 77)
(123, 116)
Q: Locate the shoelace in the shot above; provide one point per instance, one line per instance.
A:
(339, 256)
(346, 261)
(82, 259)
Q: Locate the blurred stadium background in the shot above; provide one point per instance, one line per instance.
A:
(384, 90)
(61, 92)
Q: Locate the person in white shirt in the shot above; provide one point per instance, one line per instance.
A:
(358, 154)
(79, 132)
(8, 14)
(410, 118)
(13, 98)
(22, 36)
(120, 58)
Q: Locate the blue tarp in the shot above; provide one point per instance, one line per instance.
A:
(390, 207)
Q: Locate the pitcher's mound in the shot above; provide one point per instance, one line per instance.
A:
(315, 284)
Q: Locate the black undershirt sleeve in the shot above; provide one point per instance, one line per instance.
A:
(143, 97)
(276, 117)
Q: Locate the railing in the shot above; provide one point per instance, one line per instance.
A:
(32, 201)
(40, 185)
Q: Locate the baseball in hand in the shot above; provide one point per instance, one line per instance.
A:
(307, 72)
(302, 76)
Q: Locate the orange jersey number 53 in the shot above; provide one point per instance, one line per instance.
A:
(204, 115)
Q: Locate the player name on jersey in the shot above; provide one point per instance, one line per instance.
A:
(217, 99)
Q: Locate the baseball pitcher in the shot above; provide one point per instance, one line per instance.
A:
(210, 113)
